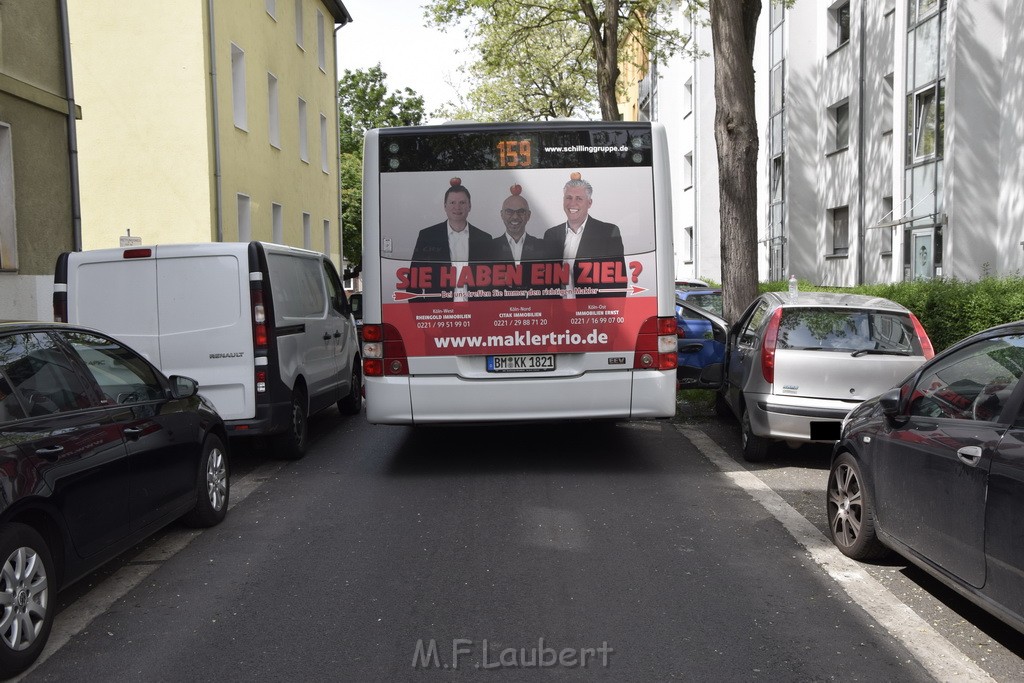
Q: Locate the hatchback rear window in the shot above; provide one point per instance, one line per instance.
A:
(847, 330)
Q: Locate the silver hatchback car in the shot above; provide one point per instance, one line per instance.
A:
(792, 368)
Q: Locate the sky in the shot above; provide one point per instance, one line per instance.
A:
(392, 33)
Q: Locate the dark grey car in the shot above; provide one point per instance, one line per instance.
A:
(934, 469)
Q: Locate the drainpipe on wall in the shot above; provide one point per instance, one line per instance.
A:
(76, 205)
(216, 127)
(860, 151)
(337, 149)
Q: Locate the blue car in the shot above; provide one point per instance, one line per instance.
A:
(697, 345)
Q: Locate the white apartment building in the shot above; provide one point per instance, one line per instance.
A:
(891, 148)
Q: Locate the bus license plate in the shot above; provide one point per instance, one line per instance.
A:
(535, 363)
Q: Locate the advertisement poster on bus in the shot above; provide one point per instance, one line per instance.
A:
(518, 261)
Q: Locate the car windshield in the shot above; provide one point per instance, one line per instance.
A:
(847, 330)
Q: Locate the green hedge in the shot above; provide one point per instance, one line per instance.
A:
(949, 309)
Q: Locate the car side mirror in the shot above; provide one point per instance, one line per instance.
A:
(355, 303)
(183, 387)
(889, 402)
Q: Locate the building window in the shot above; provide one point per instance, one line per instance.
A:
(303, 132)
(323, 144)
(688, 96)
(776, 180)
(274, 123)
(926, 126)
(919, 9)
(321, 44)
(840, 115)
(238, 87)
(277, 223)
(271, 6)
(327, 237)
(298, 24)
(244, 219)
(777, 91)
(688, 245)
(8, 222)
(839, 18)
(886, 117)
(307, 236)
(688, 170)
(840, 230)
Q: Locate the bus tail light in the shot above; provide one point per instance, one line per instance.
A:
(771, 341)
(926, 343)
(656, 345)
(383, 352)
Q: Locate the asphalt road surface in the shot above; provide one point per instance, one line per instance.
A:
(630, 552)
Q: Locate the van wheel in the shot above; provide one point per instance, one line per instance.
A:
(292, 444)
(353, 403)
(755, 448)
(212, 492)
(27, 597)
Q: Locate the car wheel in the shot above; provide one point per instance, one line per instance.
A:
(293, 442)
(755, 448)
(214, 486)
(353, 403)
(27, 597)
(851, 512)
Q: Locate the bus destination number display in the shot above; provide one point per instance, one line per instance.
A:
(515, 153)
(533, 363)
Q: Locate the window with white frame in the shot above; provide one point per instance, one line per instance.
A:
(840, 115)
(307, 235)
(886, 249)
(271, 6)
(274, 123)
(244, 219)
(839, 24)
(277, 223)
(840, 218)
(688, 96)
(8, 216)
(323, 144)
(925, 109)
(327, 237)
(776, 186)
(298, 24)
(688, 244)
(303, 132)
(321, 41)
(688, 169)
(238, 87)
(886, 118)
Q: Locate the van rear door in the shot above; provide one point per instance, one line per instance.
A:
(206, 324)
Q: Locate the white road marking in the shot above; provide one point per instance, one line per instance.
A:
(77, 617)
(938, 656)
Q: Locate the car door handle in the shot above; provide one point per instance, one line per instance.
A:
(50, 453)
(327, 337)
(969, 455)
(133, 432)
(337, 334)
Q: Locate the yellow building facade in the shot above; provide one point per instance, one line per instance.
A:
(208, 121)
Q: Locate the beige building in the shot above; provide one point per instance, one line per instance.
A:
(38, 191)
(208, 121)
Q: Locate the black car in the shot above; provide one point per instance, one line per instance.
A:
(98, 450)
(934, 469)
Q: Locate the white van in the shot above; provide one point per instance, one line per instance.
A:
(266, 329)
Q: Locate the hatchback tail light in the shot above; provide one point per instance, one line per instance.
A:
(926, 343)
(384, 352)
(771, 341)
(656, 345)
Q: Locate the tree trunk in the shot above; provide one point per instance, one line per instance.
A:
(606, 52)
(733, 24)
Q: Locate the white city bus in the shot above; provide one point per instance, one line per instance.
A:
(570, 318)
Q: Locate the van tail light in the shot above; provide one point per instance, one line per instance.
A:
(259, 317)
(60, 306)
(261, 381)
(384, 352)
(771, 340)
(656, 345)
(926, 343)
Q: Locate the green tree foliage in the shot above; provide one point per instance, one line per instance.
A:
(556, 55)
(364, 103)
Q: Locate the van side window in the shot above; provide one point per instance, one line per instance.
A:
(41, 376)
(298, 286)
(335, 291)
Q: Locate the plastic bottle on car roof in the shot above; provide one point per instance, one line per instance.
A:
(792, 288)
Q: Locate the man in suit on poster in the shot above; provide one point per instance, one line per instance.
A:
(452, 243)
(586, 243)
(515, 245)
